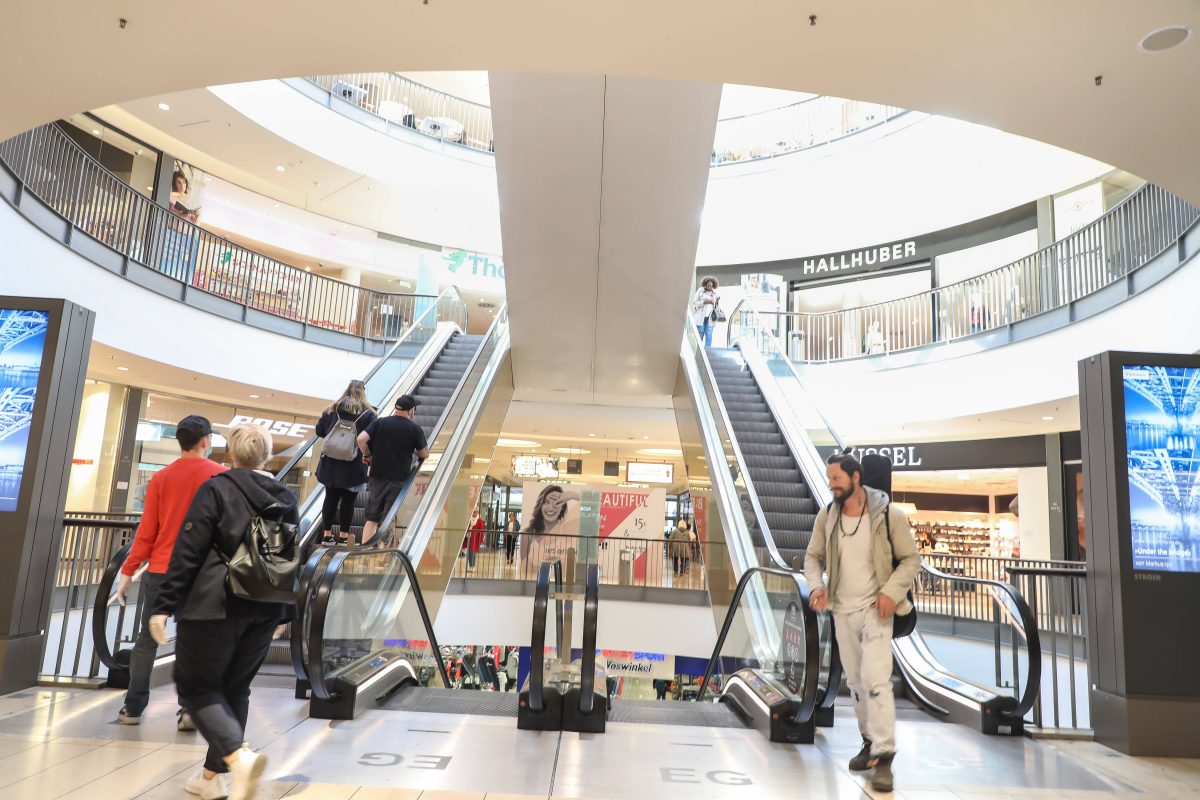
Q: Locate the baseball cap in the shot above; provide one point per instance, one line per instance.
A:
(406, 402)
(194, 424)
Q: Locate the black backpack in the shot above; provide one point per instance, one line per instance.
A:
(267, 562)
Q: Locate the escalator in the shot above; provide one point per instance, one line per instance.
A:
(766, 428)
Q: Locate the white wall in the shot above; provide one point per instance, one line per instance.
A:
(911, 176)
(1033, 501)
(147, 324)
(679, 630)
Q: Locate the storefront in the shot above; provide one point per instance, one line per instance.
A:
(126, 434)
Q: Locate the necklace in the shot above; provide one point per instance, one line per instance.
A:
(842, 527)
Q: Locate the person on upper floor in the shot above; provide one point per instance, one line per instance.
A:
(341, 469)
(704, 305)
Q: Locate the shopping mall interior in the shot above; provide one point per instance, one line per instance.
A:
(643, 269)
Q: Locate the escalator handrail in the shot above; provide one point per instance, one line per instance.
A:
(310, 578)
(778, 348)
(812, 668)
(319, 605)
(760, 517)
(390, 517)
(100, 606)
(308, 443)
(537, 642)
(591, 608)
(1028, 626)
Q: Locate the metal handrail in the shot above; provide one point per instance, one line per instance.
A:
(809, 702)
(537, 643)
(315, 667)
(591, 610)
(1131, 234)
(708, 379)
(52, 165)
(415, 103)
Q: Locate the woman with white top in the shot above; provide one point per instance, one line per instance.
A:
(704, 303)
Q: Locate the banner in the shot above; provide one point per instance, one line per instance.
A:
(634, 664)
(555, 515)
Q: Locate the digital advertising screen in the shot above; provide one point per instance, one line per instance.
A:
(22, 340)
(1162, 433)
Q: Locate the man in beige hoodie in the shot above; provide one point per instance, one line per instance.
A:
(856, 540)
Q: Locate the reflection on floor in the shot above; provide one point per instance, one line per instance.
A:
(65, 744)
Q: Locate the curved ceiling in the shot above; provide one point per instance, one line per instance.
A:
(1025, 66)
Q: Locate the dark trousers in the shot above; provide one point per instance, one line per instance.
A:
(145, 650)
(338, 506)
(215, 660)
(510, 545)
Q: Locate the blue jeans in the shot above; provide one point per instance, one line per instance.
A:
(706, 331)
(145, 650)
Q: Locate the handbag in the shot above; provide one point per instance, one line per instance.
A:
(266, 564)
(718, 315)
(902, 624)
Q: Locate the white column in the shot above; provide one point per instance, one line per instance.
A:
(1033, 501)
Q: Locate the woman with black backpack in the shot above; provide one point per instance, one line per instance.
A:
(230, 583)
(341, 469)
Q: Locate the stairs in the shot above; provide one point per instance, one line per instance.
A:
(786, 501)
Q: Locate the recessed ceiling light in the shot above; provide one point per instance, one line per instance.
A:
(516, 443)
(140, 151)
(95, 131)
(1164, 39)
(277, 205)
(591, 434)
(574, 451)
(280, 167)
(123, 369)
(253, 397)
(149, 188)
(163, 107)
(660, 451)
(1047, 419)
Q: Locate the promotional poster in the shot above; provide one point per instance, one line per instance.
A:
(556, 515)
(1161, 433)
(22, 339)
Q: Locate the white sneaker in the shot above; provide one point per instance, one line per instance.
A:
(213, 788)
(245, 773)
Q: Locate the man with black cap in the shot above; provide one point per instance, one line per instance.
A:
(168, 498)
(388, 445)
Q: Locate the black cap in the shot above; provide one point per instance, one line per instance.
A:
(406, 402)
(194, 424)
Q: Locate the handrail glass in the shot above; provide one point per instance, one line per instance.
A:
(402, 101)
(52, 166)
(1131, 234)
(386, 380)
(802, 654)
(808, 123)
(366, 612)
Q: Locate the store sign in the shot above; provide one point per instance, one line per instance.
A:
(1016, 451)
(534, 467)
(633, 664)
(643, 472)
(867, 259)
(277, 427)
(900, 455)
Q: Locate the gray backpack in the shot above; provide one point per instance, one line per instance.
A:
(341, 443)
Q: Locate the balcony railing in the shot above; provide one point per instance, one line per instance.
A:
(402, 101)
(93, 200)
(808, 123)
(1108, 250)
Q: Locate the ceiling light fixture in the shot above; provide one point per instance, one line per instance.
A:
(123, 369)
(591, 434)
(502, 442)
(660, 451)
(253, 397)
(95, 131)
(1047, 419)
(1165, 39)
(280, 167)
(163, 107)
(571, 451)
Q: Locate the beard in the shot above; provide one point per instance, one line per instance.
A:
(842, 495)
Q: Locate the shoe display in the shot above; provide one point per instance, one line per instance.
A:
(244, 774)
(125, 718)
(882, 779)
(862, 761)
(213, 788)
(184, 721)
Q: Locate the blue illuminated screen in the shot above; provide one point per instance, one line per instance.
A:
(1162, 428)
(22, 340)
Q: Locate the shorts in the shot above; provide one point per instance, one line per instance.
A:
(381, 494)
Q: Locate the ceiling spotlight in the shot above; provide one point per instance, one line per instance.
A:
(277, 205)
(140, 151)
(253, 397)
(1047, 419)
(123, 369)
(1164, 39)
(163, 107)
(95, 131)
(591, 434)
(280, 167)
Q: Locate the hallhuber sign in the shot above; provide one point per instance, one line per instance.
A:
(864, 260)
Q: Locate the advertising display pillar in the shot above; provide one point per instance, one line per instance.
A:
(1141, 467)
(44, 347)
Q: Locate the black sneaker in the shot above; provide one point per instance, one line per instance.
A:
(862, 761)
(125, 718)
(882, 780)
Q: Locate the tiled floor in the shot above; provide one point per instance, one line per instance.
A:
(65, 744)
